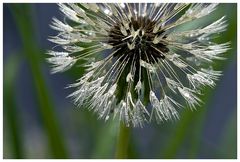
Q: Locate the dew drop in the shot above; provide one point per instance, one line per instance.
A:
(107, 117)
(107, 11)
(122, 5)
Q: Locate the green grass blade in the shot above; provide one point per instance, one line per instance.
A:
(23, 16)
(12, 134)
(106, 138)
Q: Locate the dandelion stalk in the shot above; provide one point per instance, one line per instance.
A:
(123, 142)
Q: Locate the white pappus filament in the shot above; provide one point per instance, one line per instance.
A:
(141, 59)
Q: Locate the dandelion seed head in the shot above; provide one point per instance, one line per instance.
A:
(139, 58)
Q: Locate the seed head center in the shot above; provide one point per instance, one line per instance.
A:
(137, 39)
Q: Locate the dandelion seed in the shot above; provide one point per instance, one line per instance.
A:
(147, 63)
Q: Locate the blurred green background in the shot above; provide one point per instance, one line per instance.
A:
(40, 122)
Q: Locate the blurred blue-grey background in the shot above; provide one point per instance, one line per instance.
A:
(40, 122)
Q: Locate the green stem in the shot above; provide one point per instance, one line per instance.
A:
(123, 142)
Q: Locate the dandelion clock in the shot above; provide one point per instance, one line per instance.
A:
(141, 63)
